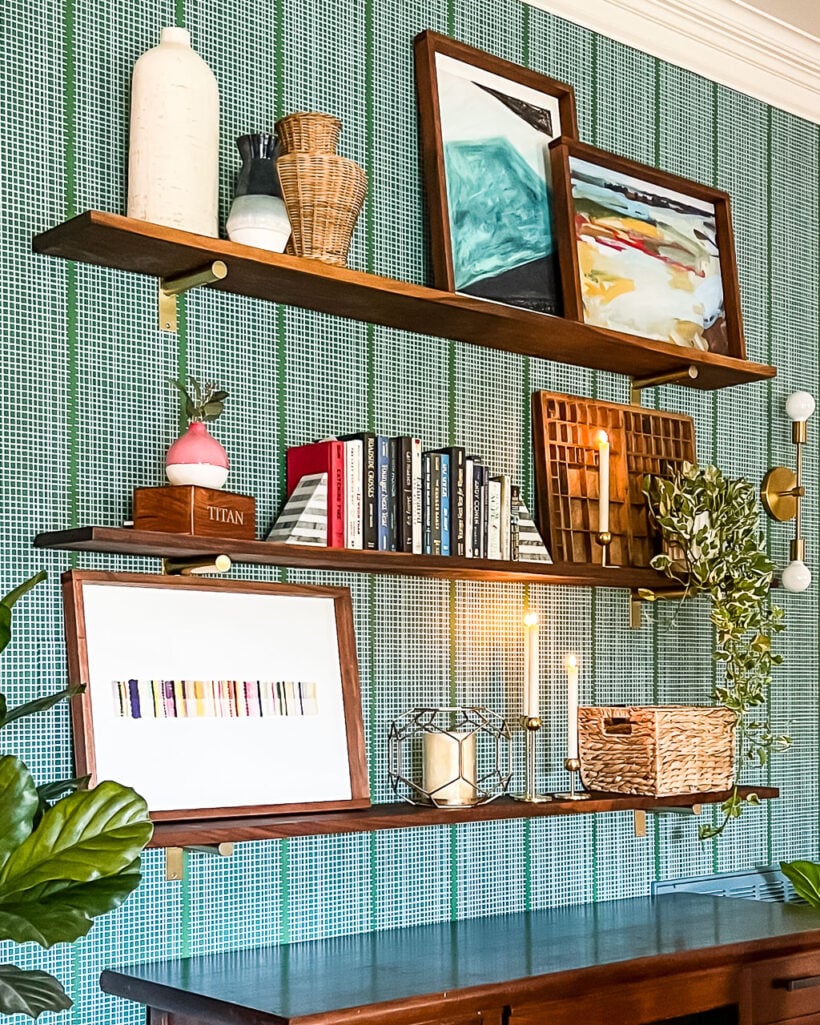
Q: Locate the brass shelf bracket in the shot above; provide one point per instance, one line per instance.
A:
(175, 858)
(639, 816)
(637, 384)
(170, 288)
(196, 564)
(636, 604)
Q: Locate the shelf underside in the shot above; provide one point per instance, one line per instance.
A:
(403, 816)
(125, 541)
(111, 240)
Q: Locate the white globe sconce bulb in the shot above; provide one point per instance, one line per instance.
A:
(796, 576)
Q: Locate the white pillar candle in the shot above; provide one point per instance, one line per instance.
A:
(531, 696)
(603, 482)
(450, 768)
(572, 706)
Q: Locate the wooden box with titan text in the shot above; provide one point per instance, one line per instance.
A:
(187, 509)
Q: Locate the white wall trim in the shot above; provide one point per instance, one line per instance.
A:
(727, 41)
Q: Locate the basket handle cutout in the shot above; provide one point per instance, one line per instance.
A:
(617, 726)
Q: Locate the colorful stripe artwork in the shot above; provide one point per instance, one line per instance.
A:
(213, 699)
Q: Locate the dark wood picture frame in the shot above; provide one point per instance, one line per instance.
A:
(73, 584)
(428, 45)
(561, 150)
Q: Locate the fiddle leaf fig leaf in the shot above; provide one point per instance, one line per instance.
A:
(18, 805)
(88, 835)
(62, 912)
(805, 878)
(30, 992)
(38, 705)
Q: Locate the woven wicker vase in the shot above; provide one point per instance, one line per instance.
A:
(308, 133)
(323, 196)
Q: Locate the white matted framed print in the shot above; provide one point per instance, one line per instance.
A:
(216, 698)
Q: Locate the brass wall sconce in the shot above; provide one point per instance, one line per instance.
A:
(782, 492)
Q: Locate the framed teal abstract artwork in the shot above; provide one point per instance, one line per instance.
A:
(644, 252)
(485, 126)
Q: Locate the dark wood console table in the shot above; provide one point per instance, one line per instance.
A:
(681, 958)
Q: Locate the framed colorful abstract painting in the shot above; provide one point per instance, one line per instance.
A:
(644, 252)
(216, 698)
(485, 126)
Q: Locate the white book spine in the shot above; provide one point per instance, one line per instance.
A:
(417, 496)
(494, 519)
(505, 513)
(353, 493)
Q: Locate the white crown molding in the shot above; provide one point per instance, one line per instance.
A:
(727, 41)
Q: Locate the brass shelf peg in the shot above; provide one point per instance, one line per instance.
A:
(175, 857)
(682, 376)
(782, 492)
(185, 567)
(170, 288)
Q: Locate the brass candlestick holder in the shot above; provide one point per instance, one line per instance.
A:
(573, 767)
(604, 539)
(531, 725)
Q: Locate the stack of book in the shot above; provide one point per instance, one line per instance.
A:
(386, 494)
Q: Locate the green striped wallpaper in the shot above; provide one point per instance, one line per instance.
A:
(86, 417)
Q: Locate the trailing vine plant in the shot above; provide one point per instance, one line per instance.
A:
(714, 547)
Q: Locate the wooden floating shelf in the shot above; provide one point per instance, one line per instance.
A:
(111, 240)
(403, 816)
(125, 541)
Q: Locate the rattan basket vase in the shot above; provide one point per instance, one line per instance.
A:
(308, 133)
(323, 196)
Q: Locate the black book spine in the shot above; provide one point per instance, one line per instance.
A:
(485, 510)
(405, 503)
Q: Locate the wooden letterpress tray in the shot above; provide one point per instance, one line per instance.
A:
(565, 431)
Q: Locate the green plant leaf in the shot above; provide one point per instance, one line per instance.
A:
(30, 993)
(212, 410)
(805, 878)
(18, 805)
(38, 705)
(86, 836)
(62, 912)
(52, 791)
(48, 793)
(9, 600)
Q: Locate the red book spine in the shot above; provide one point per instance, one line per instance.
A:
(323, 457)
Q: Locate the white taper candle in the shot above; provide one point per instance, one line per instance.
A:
(531, 696)
(603, 481)
(572, 705)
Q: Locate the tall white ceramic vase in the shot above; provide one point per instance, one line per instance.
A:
(173, 154)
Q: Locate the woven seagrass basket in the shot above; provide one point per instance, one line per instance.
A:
(656, 750)
(308, 133)
(323, 196)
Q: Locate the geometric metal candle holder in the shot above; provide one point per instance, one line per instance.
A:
(450, 757)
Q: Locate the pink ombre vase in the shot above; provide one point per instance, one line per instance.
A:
(197, 458)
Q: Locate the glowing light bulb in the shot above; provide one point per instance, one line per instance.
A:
(530, 618)
(800, 405)
(796, 576)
